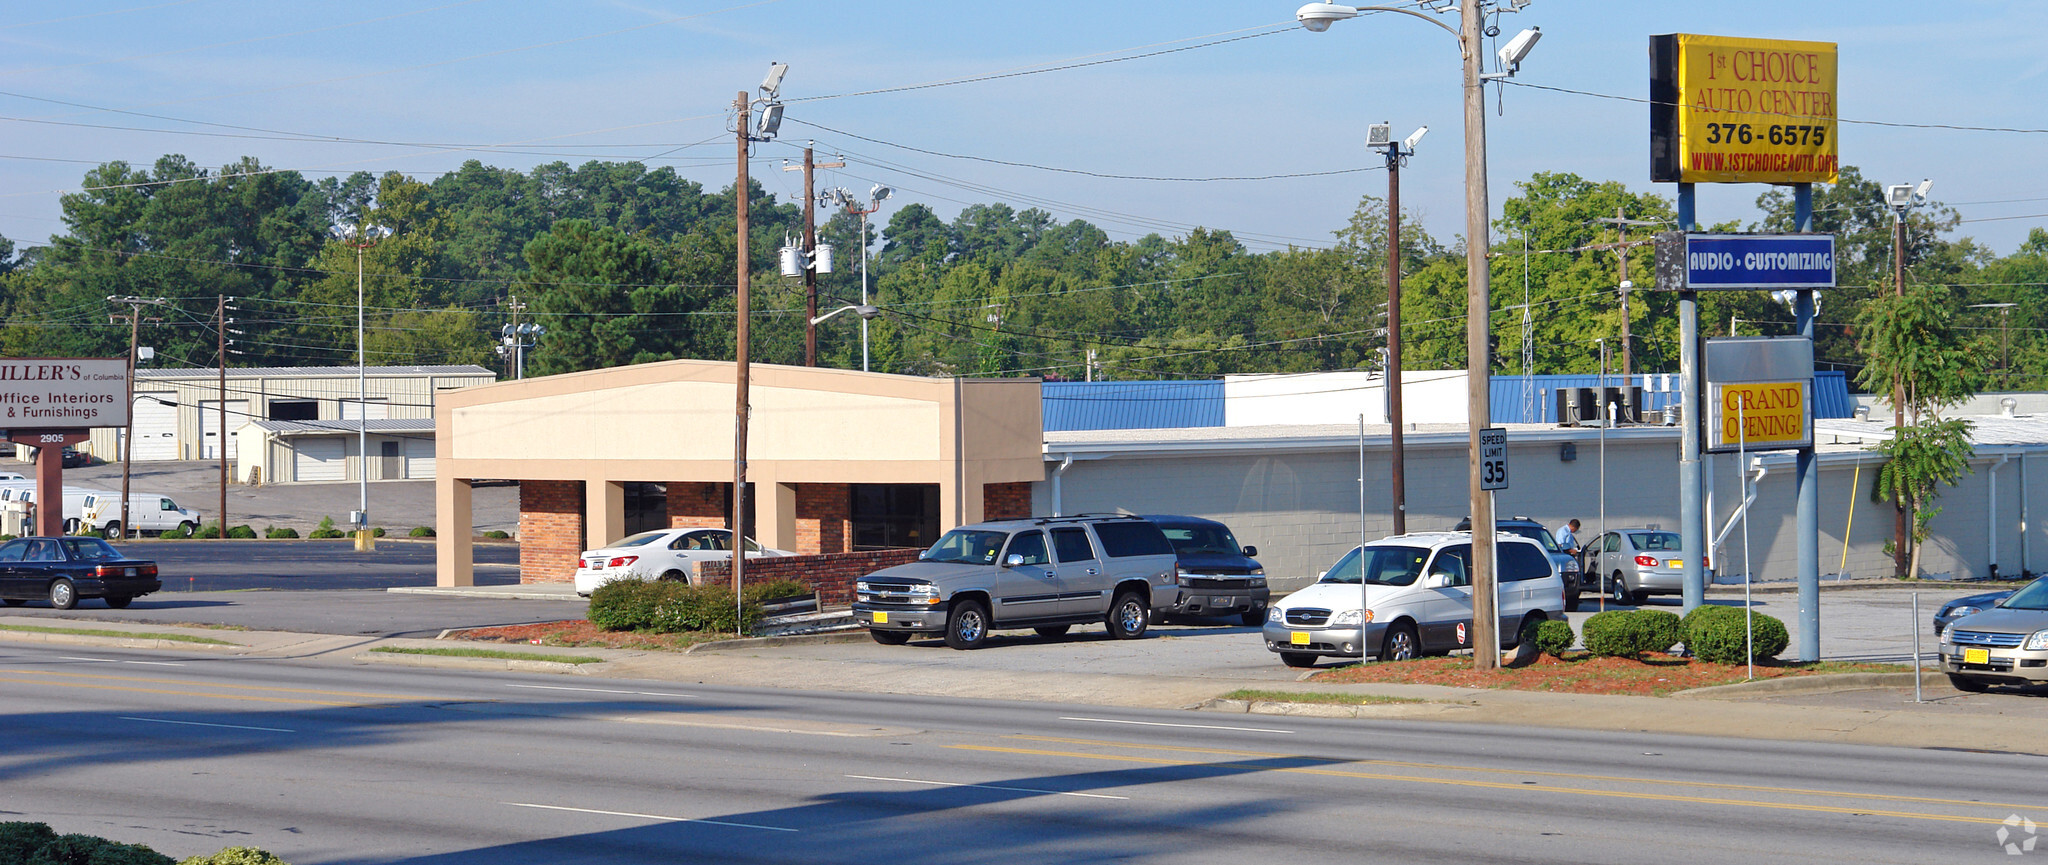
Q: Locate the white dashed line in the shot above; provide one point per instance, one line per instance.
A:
(660, 817)
(204, 724)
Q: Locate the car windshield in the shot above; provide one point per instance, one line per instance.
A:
(89, 549)
(1534, 533)
(1201, 539)
(1384, 566)
(2033, 597)
(639, 540)
(967, 547)
(1666, 542)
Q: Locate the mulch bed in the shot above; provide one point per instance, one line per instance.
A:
(1580, 673)
(580, 633)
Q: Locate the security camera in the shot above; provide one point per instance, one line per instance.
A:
(1920, 192)
(1512, 54)
(771, 86)
(1415, 138)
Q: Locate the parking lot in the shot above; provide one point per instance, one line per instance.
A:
(397, 506)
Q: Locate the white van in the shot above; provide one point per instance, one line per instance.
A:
(147, 512)
(74, 501)
(1417, 599)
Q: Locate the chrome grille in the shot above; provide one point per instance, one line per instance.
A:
(1307, 616)
(886, 593)
(1987, 638)
(1195, 581)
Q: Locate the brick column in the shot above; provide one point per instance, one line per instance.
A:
(550, 530)
(1006, 501)
(696, 505)
(824, 518)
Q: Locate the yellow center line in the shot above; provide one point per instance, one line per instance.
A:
(1497, 785)
(131, 688)
(1623, 779)
(189, 683)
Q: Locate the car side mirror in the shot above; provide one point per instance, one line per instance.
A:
(1015, 560)
(1438, 580)
(1251, 552)
(923, 554)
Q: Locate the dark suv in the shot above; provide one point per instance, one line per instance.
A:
(1568, 565)
(1047, 574)
(1216, 576)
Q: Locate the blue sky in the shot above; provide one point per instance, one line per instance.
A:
(444, 80)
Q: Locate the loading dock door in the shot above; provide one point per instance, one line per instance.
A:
(156, 426)
(323, 458)
(209, 426)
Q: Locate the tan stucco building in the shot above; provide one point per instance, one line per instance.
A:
(838, 460)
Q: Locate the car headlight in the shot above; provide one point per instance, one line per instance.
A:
(1571, 566)
(1257, 572)
(861, 586)
(1256, 583)
(1351, 617)
(1959, 612)
(1184, 580)
(2038, 642)
(1275, 615)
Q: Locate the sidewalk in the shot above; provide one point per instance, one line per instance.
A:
(1871, 717)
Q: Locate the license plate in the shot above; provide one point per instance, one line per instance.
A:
(1976, 656)
(881, 617)
(1298, 638)
(1674, 563)
(1222, 602)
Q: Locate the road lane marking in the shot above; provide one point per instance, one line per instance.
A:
(204, 724)
(119, 661)
(133, 689)
(988, 787)
(1182, 726)
(1499, 785)
(660, 817)
(601, 691)
(1623, 779)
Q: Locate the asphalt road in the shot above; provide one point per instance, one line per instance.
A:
(326, 763)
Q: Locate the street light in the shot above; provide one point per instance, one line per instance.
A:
(1901, 198)
(1471, 29)
(360, 237)
(844, 198)
(1380, 136)
(860, 309)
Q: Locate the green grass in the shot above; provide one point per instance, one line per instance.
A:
(131, 635)
(1312, 697)
(491, 653)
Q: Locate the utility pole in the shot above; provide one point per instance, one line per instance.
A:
(740, 408)
(518, 341)
(1621, 222)
(1397, 483)
(1901, 559)
(134, 318)
(811, 253)
(220, 320)
(1478, 327)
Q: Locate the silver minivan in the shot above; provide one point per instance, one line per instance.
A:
(1415, 598)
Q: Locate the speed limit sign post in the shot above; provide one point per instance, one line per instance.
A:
(1493, 458)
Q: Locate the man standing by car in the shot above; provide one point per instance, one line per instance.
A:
(1568, 537)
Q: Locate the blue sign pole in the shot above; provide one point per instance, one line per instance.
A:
(1806, 469)
(1692, 530)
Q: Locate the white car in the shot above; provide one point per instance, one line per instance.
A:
(663, 555)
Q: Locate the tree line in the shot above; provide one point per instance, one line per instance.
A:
(625, 264)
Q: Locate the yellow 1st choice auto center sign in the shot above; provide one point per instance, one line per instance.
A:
(1761, 416)
(1731, 110)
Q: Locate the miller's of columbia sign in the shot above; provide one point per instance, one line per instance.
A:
(1730, 110)
(63, 393)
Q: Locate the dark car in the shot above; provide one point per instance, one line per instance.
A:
(1967, 606)
(1568, 566)
(1214, 575)
(62, 570)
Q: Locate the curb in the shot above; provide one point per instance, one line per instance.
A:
(856, 636)
(485, 592)
(114, 642)
(454, 662)
(1327, 710)
(1793, 685)
(1734, 590)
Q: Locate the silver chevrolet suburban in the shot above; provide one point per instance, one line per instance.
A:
(1047, 574)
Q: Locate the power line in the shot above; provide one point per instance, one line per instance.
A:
(1890, 123)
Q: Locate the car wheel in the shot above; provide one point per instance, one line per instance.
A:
(113, 530)
(1527, 635)
(14, 602)
(1253, 617)
(1128, 616)
(71, 527)
(673, 576)
(1051, 632)
(1400, 643)
(118, 602)
(1299, 659)
(890, 638)
(1617, 590)
(967, 625)
(1968, 685)
(63, 595)
(188, 527)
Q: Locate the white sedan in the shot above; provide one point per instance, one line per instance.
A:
(665, 554)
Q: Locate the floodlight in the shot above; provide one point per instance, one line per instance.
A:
(1920, 192)
(1416, 138)
(1379, 135)
(771, 86)
(771, 121)
(1512, 54)
(879, 193)
(1898, 196)
(1317, 16)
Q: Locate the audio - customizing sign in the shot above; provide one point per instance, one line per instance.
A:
(1731, 110)
(1713, 262)
(63, 393)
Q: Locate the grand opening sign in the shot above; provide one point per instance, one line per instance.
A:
(1730, 110)
(1759, 393)
(63, 393)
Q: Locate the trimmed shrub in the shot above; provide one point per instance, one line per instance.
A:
(19, 839)
(236, 856)
(326, 529)
(624, 605)
(1631, 633)
(377, 532)
(420, 532)
(177, 534)
(92, 850)
(207, 533)
(675, 607)
(1555, 637)
(1723, 637)
(497, 535)
(243, 533)
(277, 533)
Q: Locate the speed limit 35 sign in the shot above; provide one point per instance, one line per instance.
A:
(1493, 458)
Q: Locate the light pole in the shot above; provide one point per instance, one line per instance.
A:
(1380, 137)
(1901, 198)
(360, 237)
(1471, 30)
(844, 198)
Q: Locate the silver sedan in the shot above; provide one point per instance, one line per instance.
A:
(1634, 564)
